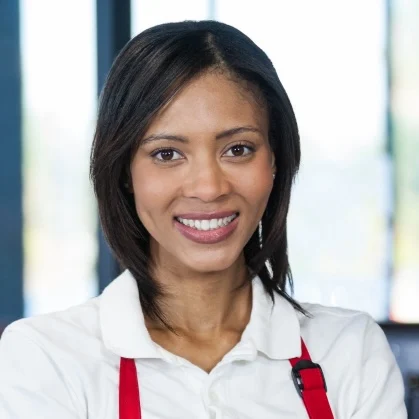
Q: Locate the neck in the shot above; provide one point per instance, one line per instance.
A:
(207, 305)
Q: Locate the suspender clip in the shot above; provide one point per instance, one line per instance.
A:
(305, 364)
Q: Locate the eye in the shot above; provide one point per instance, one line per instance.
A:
(167, 154)
(237, 147)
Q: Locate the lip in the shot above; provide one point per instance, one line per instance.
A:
(209, 236)
(206, 215)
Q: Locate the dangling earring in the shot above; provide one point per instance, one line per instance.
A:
(260, 234)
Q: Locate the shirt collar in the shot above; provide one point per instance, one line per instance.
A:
(273, 329)
(122, 320)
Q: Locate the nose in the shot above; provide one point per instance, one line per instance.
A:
(208, 182)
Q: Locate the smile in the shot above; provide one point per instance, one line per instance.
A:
(207, 231)
(205, 225)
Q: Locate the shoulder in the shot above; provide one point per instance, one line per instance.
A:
(333, 319)
(65, 331)
(353, 352)
(343, 329)
(50, 351)
(360, 368)
(343, 341)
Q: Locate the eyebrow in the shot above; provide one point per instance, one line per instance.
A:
(179, 138)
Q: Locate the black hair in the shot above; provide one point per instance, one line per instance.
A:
(146, 74)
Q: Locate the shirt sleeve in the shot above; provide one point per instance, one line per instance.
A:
(382, 391)
(32, 384)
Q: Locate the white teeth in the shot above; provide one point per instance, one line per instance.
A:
(207, 224)
(213, 224)
(204, 224)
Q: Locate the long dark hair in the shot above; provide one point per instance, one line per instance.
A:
(146, 74)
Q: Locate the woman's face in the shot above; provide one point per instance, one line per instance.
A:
(204, 169)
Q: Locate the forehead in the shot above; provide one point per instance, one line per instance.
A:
(210, 103)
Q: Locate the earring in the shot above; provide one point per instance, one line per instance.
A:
(273, 175)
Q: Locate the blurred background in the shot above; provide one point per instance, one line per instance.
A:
(351, 70)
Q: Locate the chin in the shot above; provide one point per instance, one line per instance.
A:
(211, 261)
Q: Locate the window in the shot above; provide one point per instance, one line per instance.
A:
(150, 13)
(59, 109)
(405, 127)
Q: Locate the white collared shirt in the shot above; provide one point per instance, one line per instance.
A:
(65, 365)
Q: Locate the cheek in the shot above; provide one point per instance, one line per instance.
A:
(148, 193)
(257, 184)
(256, 191)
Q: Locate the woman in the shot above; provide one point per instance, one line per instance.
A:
(193, 160)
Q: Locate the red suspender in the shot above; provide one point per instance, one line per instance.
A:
(308, 380)
(129, 392)
(310, 383)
